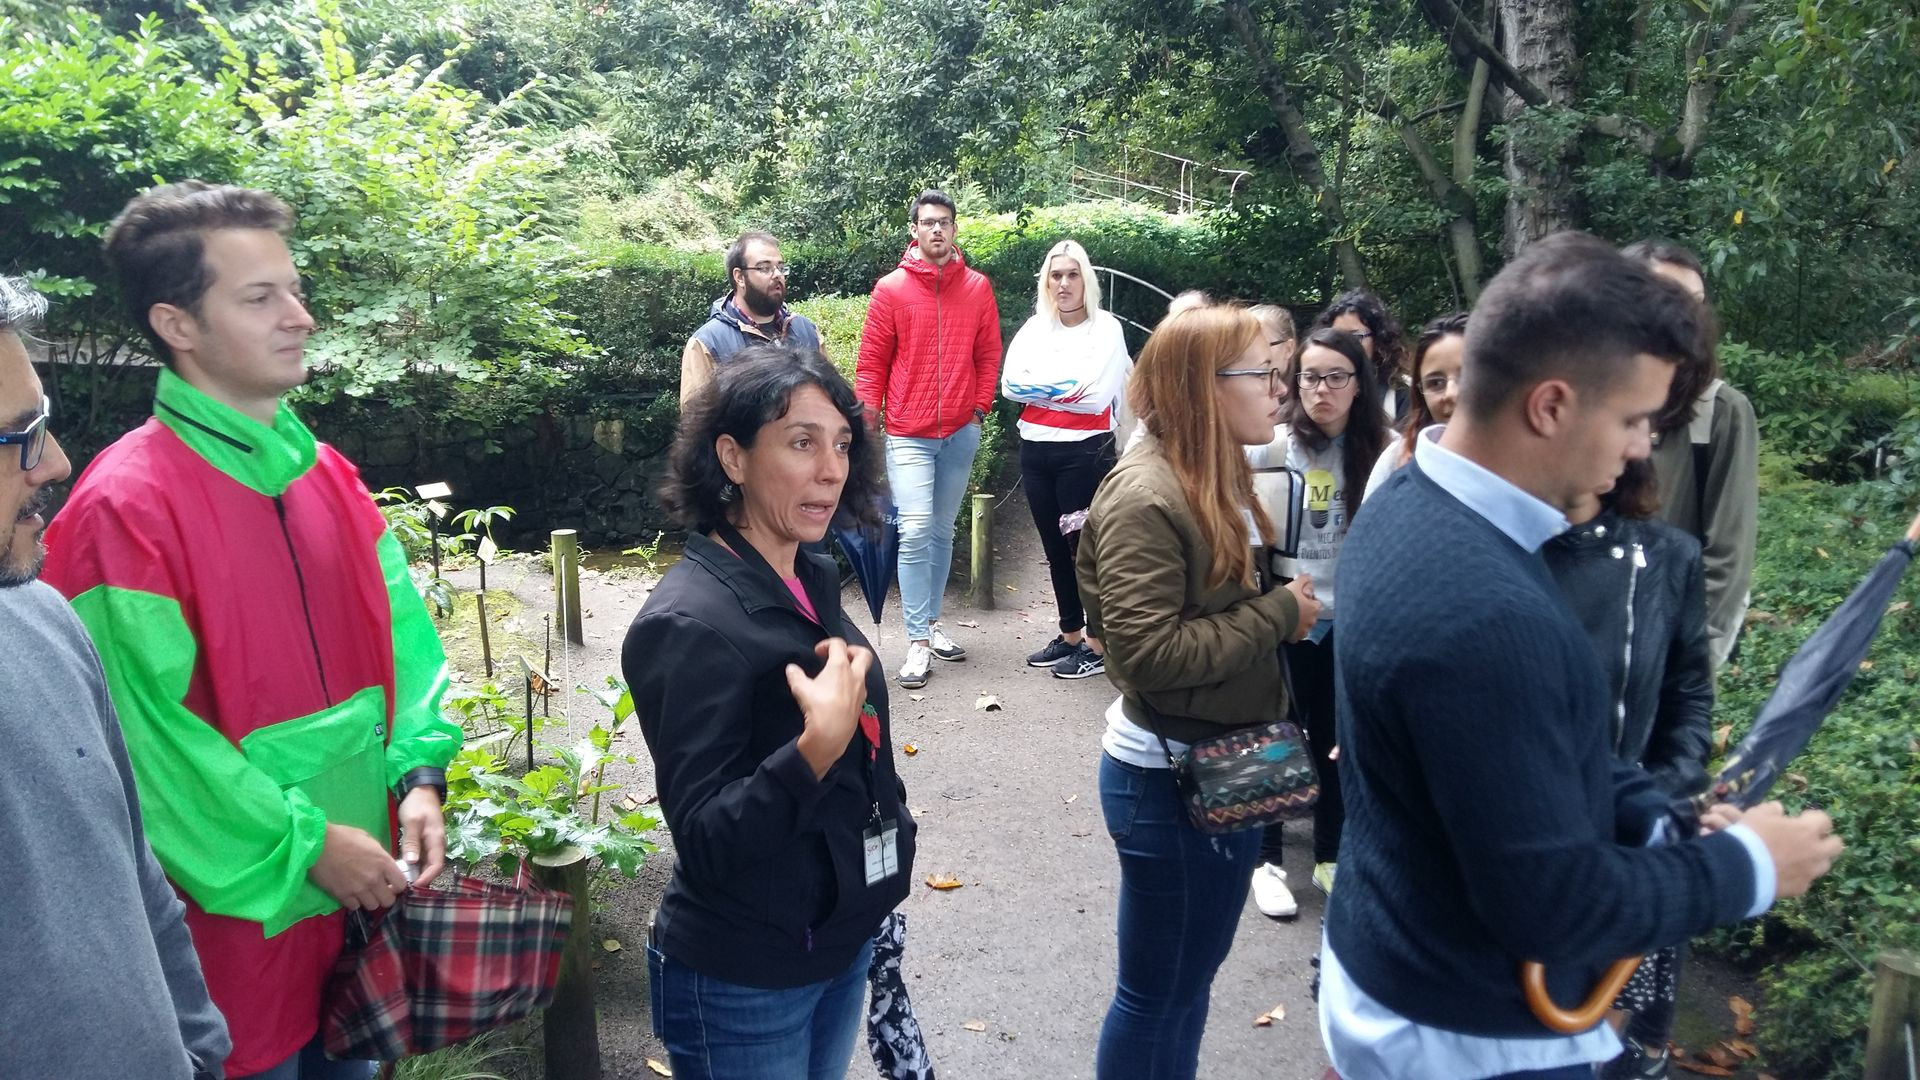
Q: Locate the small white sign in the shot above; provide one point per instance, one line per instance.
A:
(435, 491)
(488, 550)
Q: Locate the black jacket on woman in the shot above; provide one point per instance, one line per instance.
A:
(770, 887)
(1637, 588)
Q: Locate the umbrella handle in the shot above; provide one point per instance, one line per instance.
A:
(1533, 979)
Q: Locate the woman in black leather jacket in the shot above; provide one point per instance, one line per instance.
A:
(1637, 585)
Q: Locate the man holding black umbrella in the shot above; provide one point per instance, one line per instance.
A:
(1486, 823)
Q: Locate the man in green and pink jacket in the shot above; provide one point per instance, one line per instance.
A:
(276, 673)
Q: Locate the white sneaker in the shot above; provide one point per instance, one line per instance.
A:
(913, 673)
(944, 647)
(1271, 895)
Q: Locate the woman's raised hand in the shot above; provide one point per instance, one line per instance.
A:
(831, 701)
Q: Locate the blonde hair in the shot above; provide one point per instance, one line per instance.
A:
(1277, 320)
(1174, 392)
(1045, 304)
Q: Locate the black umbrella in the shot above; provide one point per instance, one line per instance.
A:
(1810, 685)
(872, 552)
(894, 1038)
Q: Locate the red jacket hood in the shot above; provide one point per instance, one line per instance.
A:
(915, 263)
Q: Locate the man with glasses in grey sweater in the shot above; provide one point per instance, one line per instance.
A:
(100, 976)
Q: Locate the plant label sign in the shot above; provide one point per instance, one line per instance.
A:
(488, 550)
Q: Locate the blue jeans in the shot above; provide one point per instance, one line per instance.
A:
(311, 1062)
(1181, 891)
(718, 1030)
(928, 478)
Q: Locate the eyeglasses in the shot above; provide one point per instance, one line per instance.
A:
(1435, 385)
(1334, 380)
(1276, 377)
(772, 269)
(936, 224)
(1362, 333)
(33, 439)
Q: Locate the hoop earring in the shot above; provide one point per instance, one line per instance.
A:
(729, 492)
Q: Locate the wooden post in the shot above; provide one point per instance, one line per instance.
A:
(566, 584)
(983, 552)
(486, 639)
(571, 1039)
(1896, 1012)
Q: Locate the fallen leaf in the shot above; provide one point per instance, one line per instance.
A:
(612, 945)
(1899, 606)
(1866, 665)
(1755, 615)
(968, 625)
(943, 882)
(988, 702)
(1798, 783)
(918, 697)
(659, 1069)
(1070, 798)
(629, 803)
(1822, 552)
(1741, 1007)
(1720, 736)
(1722, 1057)
(1703, 1068)
(975, 1025)
(1268, 1018)
(909, 749)
(1742, 1047)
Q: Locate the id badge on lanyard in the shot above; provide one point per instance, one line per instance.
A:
(881, 842)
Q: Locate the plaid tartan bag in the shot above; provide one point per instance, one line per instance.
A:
(442, 965)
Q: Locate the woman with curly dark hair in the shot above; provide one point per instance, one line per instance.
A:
(1436, 390)
(767, 722)
(1361, 313)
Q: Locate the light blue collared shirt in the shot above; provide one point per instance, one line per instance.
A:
(1365, 1039)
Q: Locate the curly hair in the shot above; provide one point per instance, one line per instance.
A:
(1389, 344)
(751, 390)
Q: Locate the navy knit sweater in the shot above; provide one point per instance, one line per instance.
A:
(1486, 821)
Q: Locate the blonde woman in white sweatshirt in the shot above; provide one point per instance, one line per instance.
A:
(1067, 366)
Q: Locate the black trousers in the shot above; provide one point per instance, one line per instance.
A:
(1060, 478)
(1310, 680)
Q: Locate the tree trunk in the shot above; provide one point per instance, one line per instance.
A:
(1466, 242)
(1302, 153)
(1539, 41)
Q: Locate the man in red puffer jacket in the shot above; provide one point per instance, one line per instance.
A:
(929, 367)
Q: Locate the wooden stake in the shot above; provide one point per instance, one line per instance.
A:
(572, 1037)
(566, 584)
(1896, 1012)
(983, 552)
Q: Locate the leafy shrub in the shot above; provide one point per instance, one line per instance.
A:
(1863, 767)
(840, 319)
(1829, 417)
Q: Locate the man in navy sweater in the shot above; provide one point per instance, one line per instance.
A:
(1486, 822)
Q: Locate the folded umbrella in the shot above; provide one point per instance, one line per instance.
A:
(1809, 686)
(873, 551)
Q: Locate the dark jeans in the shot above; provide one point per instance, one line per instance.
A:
(1060, 478)
(311, 1062)
(1564, 1072)
(1181, 891)
(718, 1030)
(1310, 681)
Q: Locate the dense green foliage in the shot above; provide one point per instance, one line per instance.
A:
(1863, 768)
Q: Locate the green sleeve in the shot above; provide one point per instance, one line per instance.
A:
(224, 831)
(1729, 520)
(422, 735)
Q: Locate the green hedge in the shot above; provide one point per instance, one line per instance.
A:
(1816, 542)
(1830, 418)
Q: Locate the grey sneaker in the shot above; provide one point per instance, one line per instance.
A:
(1056, 651)
(1083, 664)
(913, 673)
(944, 647)
(1637, 1063)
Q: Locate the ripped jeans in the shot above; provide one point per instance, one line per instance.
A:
(1181, 891)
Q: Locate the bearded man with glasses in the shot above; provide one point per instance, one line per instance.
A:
(89, 910)
(755, 312)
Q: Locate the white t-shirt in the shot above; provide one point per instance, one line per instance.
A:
(1127, 741)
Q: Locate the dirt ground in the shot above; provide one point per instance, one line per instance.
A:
(1011, 973)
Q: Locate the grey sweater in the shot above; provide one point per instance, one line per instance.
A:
(98, 974)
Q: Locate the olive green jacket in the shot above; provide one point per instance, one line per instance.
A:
(1192, 661)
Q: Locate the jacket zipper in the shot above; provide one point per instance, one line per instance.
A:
(939, 346)
(1634, 567)
(306, 609)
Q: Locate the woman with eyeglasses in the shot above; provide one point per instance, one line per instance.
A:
(1066, 366)
(1169, 572)
(1436, 389)
(1364, 315)
(1331, 437)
